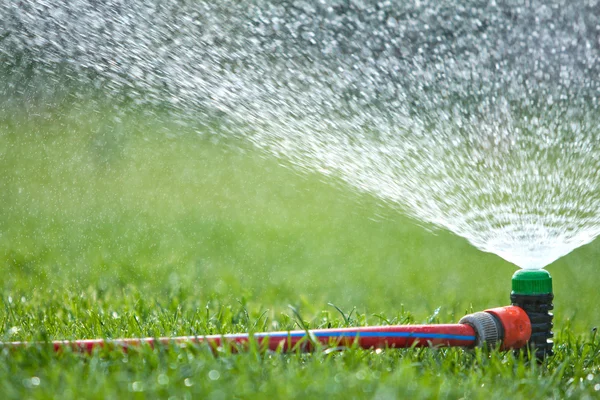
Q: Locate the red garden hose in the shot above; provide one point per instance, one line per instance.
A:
(509, 326)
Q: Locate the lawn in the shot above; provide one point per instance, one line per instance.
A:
(128, 224)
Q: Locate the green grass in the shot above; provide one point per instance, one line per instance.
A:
(128, 224)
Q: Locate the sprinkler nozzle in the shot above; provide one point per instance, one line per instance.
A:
(509, 326)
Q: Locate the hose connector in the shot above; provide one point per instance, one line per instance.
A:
(488, 329)
(508, 326)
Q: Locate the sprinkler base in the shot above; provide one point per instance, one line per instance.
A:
(538, 309)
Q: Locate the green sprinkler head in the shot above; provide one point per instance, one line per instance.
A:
(532, 291)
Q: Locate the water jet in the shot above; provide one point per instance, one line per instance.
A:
(479, 119)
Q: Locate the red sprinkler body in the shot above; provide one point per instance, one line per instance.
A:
(509, 326)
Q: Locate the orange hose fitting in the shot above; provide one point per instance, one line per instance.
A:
(516, 325)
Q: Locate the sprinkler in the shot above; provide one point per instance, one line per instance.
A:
(532, 291)
(506, 327)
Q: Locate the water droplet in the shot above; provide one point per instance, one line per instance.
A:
(213, 375)
(137, 386)
(163, 379)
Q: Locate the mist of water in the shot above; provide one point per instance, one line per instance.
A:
(480, 118)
